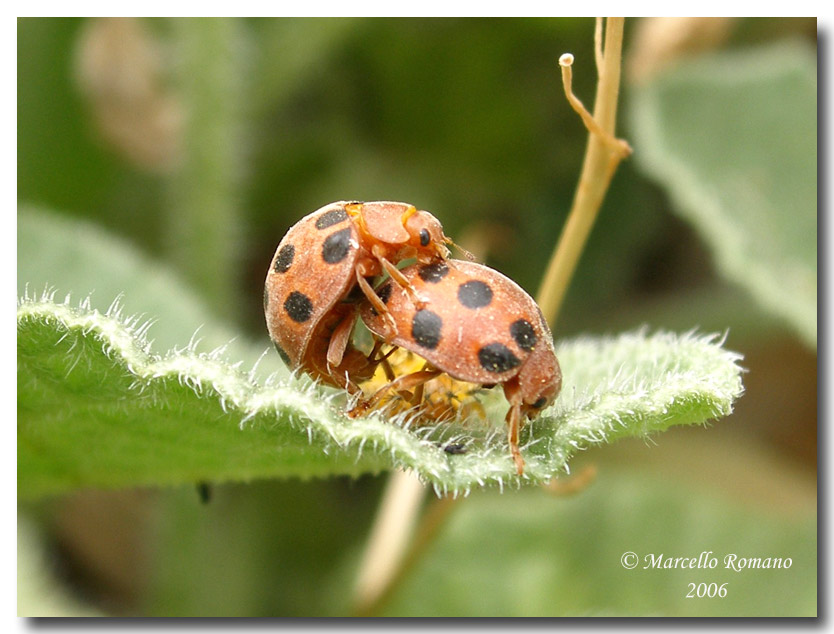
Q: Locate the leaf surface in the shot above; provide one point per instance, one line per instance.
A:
(97, 408)
(733, 139)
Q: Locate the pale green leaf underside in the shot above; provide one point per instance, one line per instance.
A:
(732, 137)
(96, 408)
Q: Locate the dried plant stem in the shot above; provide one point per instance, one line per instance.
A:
(384, 564)
(430, 524)
(388, 539)
(603, 154)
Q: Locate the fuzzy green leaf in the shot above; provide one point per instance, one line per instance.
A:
(97, 408)
(732, 137)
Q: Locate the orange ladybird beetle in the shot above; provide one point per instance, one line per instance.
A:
(311, 288)
(476, 325)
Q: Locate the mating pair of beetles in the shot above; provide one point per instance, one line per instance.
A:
(339, 264)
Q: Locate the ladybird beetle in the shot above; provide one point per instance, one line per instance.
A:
(311, 287)
(475, 325)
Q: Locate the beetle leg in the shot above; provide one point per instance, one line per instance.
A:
(405, 382)
(339, 340)
(383, 360)
(417, 398)
(514, 396)
(402, 280)
(378, 304)
(514, 422)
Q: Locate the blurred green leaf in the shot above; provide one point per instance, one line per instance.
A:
(62, 160)
(58, 161)
(203, 229)
(732, 137)
(293, 52)
(533, 554)
(276, 548)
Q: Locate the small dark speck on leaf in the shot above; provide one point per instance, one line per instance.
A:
(453, 448)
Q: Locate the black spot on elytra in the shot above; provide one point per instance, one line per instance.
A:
(424, 237)
(425, 328)
(298, 307)
(474, 294)
(523, 333)
(496, 357)
(540, 403)
(330, 218)
(283, 260)
(433, 273)
(282, 353)
(336, 246)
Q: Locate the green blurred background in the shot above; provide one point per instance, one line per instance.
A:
(200, 142)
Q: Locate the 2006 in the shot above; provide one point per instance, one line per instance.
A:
(710, 590)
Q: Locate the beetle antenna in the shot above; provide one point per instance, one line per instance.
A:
(468, 255)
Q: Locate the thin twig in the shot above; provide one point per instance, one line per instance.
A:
(430, 525)
(617, 146)
(603, 154)
(388, 539)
